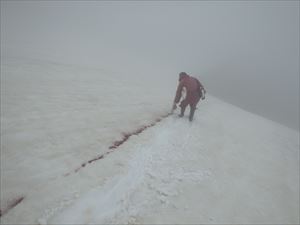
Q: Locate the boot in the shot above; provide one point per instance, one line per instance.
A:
(182, 112)
(191, 117)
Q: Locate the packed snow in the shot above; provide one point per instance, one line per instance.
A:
(227, 166)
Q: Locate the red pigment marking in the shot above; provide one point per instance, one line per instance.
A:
(116, 144)
(11, 205)
(126, 136)
(92, 160)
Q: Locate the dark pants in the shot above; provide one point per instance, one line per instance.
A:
(184, 104)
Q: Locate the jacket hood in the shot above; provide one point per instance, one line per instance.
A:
(182, 76)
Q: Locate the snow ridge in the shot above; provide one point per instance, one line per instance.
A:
(153, 174)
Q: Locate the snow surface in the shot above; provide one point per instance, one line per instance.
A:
(227, 166)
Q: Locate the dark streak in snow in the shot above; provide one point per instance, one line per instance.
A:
(11, 205)
(116, 144)
(126, 136)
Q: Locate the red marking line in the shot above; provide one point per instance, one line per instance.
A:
(116, 144)
(126, 136)
(11, 205)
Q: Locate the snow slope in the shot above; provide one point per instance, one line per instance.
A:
(228, 166)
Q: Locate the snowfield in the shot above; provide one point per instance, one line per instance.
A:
(228, 166)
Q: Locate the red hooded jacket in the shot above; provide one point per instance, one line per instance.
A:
(193, 90)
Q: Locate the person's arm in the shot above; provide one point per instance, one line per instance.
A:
(201, 88)
(178, 94)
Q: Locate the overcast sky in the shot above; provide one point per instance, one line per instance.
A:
(246, 53)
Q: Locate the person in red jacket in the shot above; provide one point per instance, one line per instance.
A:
(194, 91)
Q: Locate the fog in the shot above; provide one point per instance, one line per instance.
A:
(246, 53)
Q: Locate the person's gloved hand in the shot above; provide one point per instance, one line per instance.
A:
(204, 92)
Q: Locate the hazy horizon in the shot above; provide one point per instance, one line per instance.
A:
(246, 53)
